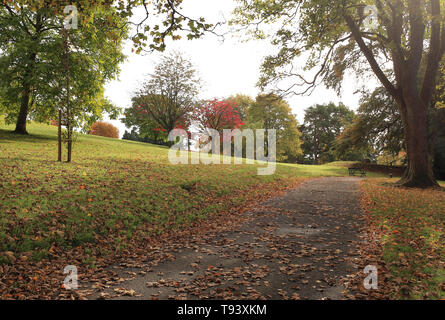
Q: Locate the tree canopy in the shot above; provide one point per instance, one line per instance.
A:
(217, 115)
(33, 64)
(272, 112)
(322, 125)
(377, 127)
(167, 99)
(31, 46)
(161, 19)
(400, 42)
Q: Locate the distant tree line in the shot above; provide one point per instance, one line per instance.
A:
(167, 101)
(134, 135)
(330, 132)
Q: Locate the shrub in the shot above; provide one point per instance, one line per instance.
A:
(104, 129)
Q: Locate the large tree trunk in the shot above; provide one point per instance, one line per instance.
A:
(20, 127)
(419, 172)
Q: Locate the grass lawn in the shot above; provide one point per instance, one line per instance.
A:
(114, 192)
(117, 194)
(409, 226)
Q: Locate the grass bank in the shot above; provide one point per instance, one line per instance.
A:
(113, 192)
(408, 227)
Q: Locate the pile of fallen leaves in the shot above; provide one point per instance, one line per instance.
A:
(404, 238)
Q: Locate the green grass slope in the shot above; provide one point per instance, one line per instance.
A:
(116, 188)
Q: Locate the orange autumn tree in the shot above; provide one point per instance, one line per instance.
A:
(104, 129)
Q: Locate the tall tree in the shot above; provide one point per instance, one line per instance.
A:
(322, 125)
(32, 76)
(167, 99)
(342, 34)
(30, 22)
(272, 112)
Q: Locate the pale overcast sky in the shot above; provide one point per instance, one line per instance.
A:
(227, 68)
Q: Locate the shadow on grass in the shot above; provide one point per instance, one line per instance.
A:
(32, 160)
(10, 136)
(398, 185)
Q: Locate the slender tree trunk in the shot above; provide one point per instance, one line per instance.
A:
(20, 127)
(419, 172)
(69, 117)
(59, 137)
(316, 150)
(70, 143)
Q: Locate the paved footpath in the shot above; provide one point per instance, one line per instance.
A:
(298, 246)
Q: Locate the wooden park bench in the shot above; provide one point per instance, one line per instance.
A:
(352, 171)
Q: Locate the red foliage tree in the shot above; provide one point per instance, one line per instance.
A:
(218, 115)
(104, 129)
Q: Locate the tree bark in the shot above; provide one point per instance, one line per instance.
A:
(413, 99)
(59, 137)
(26, 93)
(20, 127)
(419, 172)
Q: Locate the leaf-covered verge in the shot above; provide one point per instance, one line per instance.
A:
(114, 198)
(405, 240)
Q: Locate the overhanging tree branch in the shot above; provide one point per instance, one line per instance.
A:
(370, 57)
